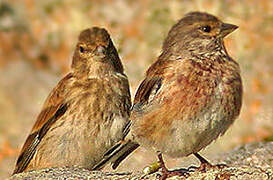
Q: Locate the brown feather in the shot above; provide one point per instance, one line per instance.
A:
(33, 140)
(45, 120)
(147, 88)
(54, 100)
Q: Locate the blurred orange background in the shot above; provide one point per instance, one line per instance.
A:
(37, 39)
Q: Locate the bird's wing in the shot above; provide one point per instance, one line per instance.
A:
(116, 154)
(54, 107)
(146, 92)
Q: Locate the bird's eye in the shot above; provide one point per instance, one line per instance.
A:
(82, 49)
(206, 29)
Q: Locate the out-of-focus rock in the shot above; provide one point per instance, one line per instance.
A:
(258, 154)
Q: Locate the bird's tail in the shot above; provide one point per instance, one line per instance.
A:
(117, 154)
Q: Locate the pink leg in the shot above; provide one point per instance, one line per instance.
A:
(205, 165)
(166, 173)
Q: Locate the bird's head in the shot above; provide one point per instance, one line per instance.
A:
(198, 32)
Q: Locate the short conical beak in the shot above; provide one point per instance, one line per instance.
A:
(227, 29)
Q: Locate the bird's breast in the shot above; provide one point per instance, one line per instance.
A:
(191, 110)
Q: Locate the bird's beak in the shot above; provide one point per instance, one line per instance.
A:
(227, 29)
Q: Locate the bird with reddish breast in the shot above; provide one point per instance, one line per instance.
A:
(190, 96)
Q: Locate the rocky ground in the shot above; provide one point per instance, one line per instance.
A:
(251, 161)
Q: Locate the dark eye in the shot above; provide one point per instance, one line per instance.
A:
(206, 29)
(82, 49)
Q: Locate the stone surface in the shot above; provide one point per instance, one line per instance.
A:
(244, 172)
(253, 154)
(251, 161)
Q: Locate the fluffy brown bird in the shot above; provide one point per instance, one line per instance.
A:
(85, 114)
(190, 95)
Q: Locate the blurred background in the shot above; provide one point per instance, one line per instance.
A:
(37, 40)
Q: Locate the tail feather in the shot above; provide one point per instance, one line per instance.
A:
(117, 154)
(131, 147)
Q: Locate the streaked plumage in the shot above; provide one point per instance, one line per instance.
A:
(85, 114)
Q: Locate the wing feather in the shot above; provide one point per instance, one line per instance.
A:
(54, 107)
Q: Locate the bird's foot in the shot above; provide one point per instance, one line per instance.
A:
(180, 172)
(167, 173)
(205, 165)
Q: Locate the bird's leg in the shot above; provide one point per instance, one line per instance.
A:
(201, 159)
(166, 173)
(205, 165)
